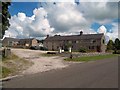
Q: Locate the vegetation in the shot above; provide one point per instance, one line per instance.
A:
(110, 45)
(12, 56)
(114, 46)
(91, 58)
(83, 50)
(117, 44)
(5, 72)
(49, 55)
(116, 52)
(5, 15)
(67, 46)
(12, 65)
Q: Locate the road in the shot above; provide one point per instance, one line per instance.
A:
(93, 74)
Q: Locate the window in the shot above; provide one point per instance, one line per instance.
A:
(92, 47)
(89, 47)
(93, 41)
(103, 41)
(77, 41)
(73, 41)
(70, 41)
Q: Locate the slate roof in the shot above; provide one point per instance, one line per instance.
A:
(28, 40)
(17, 40)
(10, 39)
(75, 37)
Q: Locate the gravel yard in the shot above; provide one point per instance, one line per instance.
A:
(41, 63)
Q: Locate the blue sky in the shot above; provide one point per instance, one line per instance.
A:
(26, 7)
(65, 18)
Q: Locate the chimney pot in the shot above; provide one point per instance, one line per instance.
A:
(47, 36)
(81, 32)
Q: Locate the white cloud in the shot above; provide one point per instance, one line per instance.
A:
(65, 18)
(114, 34)
(21, 16)
(69, 17)
(22, 26)
(102, 29)
(99, 11)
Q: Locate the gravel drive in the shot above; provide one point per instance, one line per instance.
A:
(41, 63)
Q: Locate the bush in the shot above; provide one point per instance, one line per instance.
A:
(43, 48)
(34, 48)
(51, 52)
(116, 52)
(83, 50)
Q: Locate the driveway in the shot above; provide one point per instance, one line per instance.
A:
(41, 63)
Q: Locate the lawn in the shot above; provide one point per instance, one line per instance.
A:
(91, 58)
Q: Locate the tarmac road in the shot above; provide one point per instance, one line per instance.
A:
(93, 74)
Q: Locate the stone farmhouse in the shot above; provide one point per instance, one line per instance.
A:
(19, 43)
(90, 42)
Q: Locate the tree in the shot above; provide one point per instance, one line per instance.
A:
(110, 45)
(4, 15)
(117, 44)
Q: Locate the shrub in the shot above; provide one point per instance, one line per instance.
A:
(116, 52)
(43, 48)
(51, 52)
(83, 50)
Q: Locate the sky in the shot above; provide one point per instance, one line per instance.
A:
(38, 19)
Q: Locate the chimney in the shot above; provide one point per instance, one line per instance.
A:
(81, 32)
(47, 36)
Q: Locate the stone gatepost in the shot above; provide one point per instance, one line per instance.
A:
(60, 50)
(70, 49)
(7, 52)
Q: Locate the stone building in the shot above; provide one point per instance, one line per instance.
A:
(90, 42)
(21, 43)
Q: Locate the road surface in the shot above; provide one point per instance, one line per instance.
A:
(93, 74)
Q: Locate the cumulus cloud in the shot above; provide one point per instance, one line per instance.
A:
(112, 34)
(102, 29)
(65, 18)
(22, 26)
(71, 18)
(99, 11)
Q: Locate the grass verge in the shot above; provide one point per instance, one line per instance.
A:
(91, 58)
(12, 56)
(13, 65)
(5, 72)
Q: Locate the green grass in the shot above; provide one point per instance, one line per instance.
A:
(91, 58)
(5, 72)
(13, 64)
(12, 56)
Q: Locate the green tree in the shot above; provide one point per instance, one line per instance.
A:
(117, 44)
(110, 45)
(4, 16)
